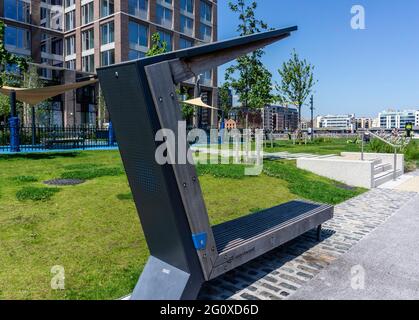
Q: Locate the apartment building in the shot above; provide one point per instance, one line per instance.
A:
(392, 119)
(74, 37)
(280, 118)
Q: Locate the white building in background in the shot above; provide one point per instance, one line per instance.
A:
(336, 122)
(376, 122)
(392, 119)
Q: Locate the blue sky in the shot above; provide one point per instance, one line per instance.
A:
(359, 71)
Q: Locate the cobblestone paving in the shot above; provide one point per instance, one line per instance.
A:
(281, 272)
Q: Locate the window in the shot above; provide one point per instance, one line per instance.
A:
(186, 5)
(185, 43)
(164, 16)
(70, 45)
(71, 64)
(52, 17)
(138, 8)
(107, 57)
(135, 55)
(69, 3)
(205, 32)
(206, 11)
(17, 10)
(107, 31)
(88, 63)
(70, 22)
(206, 78)
(138, 35)
(17, 38)
(87, 13)
(106, 8)
(166, 37)
(88, 40)
(51, 44)
(186, 25)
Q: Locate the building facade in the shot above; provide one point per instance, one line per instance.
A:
(280, 118)
(336, 122)
(391, 119)
(364, 123)
(72, 38)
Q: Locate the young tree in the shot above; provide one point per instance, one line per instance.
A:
(31, 79)
(157, 46)
(248, 77)
(7, 58)
(187, 110)
(226, 104)
(297, 82)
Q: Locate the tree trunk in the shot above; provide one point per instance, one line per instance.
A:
(299, 117)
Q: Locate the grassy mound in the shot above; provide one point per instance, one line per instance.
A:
(308, 185)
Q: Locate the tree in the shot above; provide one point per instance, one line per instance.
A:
(297, 82)
(13, 80)
(225, 99)
(248, 77)
(31, 79)
(187, 110)
(157, 46)
(7, 58)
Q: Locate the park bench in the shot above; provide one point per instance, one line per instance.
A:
(63, 140)
(185, 250)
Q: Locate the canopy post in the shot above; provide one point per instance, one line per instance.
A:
(14, 124)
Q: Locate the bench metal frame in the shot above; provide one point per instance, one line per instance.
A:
(185, 250)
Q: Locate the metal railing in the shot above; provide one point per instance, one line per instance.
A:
(40, 138)
(395, 146)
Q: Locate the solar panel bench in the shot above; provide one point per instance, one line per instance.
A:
(185, 250)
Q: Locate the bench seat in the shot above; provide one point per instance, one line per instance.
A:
(241, 240)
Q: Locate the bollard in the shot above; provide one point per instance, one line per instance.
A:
(14, 124)
(14, 134)
(111, 134)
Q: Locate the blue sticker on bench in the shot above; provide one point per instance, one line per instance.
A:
(200, 241)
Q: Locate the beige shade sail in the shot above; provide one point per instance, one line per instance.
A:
(34, 96)
(199, 103)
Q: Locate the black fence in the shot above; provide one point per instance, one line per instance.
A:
(57, 138)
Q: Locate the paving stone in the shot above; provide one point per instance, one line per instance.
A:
(286, 269)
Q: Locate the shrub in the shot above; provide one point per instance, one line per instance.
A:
(378, 146)
(125, 196)
(412, 151)
(36, 193)
(24, 179)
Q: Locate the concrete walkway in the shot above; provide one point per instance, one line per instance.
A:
(407, 182)
(291, 268)
(384, 265)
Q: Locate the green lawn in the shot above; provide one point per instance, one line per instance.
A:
(92, 229)
(329, 146)
(336, 146)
